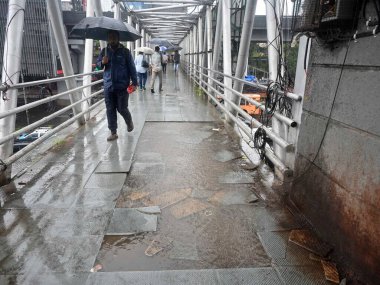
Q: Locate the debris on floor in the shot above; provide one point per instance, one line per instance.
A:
(158, 244)
(153, 248)
(96, 268)
(307, 240)
(216, 129)
(331, 272)
(252, 199)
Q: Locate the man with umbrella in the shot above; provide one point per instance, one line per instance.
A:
(119, 72)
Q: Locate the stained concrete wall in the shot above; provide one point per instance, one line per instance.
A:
(337, 185)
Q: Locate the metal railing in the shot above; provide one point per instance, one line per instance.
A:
(3, 88)
(216, 91)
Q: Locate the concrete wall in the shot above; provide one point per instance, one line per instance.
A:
(338, 190)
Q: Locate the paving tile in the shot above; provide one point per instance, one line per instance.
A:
(107, 181)
(113, 167)
(131, 221)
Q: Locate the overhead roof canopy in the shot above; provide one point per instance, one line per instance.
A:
(169, 19)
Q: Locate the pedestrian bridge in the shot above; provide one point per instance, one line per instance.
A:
(180, 200)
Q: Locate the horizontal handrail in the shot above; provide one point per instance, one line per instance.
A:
(273, 158)
(4, 87)
(46, 100)
(45, 119)
(281, 142)
(262, 87)
(279, 116)
(34, 144)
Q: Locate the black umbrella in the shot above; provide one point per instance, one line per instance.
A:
(97, 28)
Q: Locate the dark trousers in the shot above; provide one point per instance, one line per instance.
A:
(142, 79)
(164, 67)
(117, 100)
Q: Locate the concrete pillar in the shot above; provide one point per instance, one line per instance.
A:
(117, 11)
(11, 71)
(299, 89)
(143, 42)
(138, 42)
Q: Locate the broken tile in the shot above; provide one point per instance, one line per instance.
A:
(137, 195)
(187, 208)
(168, 198)
(149, 210)
(131, 221)
(331, 272)
(186, 251)
(307, 240)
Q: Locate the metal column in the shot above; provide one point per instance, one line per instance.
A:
(130, 45)
(138, 42)
(227, 46)
(217, 41)
(11, 71)
(272, 7)
(200, 46)
(99, 12)
(191, 50)
(55, 15)
(143, 44)
(88, 56)
(209, 44)
(244, 47)
(117, 11)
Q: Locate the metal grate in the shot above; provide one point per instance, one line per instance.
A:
(37, 61)
(314, 15)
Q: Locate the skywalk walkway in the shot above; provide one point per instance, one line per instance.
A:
(174, 202)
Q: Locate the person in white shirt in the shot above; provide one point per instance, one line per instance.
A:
(156, 64)
(141, 70)
(164, 62)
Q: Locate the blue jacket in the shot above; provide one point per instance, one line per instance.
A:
(120, 69)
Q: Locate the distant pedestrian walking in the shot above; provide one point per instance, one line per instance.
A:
(177, 60)
(164, 62)
(119, 72)
(156, 69)
(141, 69)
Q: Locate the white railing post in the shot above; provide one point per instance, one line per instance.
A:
(200, 44)
(10, 71)
(227, 69)
(99, 12)
(88, 56)
(209, 43)
(56, 20)
(217, 40)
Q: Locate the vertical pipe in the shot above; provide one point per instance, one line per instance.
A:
(227, 46)
(129, 44)
(11, 70)
(209, 44)
(55, 16)
(217, 40)
(200, 46)
(272, 34)
(138, 42)
(99, 12)
(243, 55)
(88, 56)
(272, 7)
(195, 49)
(191, 52)
(143, 42)
(117, 11)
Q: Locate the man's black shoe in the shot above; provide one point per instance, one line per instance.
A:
(151, 90)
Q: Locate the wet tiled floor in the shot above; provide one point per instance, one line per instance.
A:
(70, 207)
